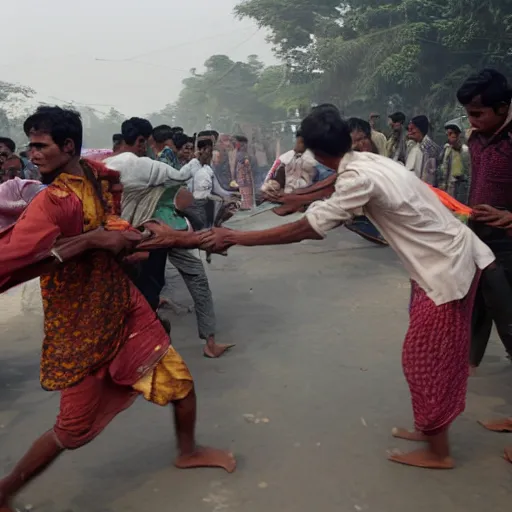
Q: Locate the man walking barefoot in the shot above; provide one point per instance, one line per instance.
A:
(442, 256)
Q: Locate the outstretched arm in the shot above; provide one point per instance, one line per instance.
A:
(287, 234)
(352, 193)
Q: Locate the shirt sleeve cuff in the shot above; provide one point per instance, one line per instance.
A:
(315, 224)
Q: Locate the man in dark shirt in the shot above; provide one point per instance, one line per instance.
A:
(486, 97)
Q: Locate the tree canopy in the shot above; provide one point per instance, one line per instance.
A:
(387, 54)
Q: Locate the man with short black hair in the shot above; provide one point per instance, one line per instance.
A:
(184, 148)
(361, 133)
(455, 169)
(487, 96)
(442, 256)
(163, 145)
(423, 154)
(150, 191)
(7, 148)
(396, 147)
(103, 345)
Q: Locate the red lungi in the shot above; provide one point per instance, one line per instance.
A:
(435, 358)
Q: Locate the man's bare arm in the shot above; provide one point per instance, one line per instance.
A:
(220, 238)
(164, 237)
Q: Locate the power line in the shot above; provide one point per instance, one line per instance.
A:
(171, 47)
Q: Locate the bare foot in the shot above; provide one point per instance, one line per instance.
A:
(507, 456)
(423, 458)
(501, 425)
(206, 458)
(409, 435)
(215, 350)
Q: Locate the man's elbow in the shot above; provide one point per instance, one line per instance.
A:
(308, 231)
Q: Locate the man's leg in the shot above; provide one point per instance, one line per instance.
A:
(40, 456)
(151, 277)
(150, 281)
(435, 365)
(170, 382)
(497, 294)
(192, 270)
(481, 326)
(85, 410)
(191, 455)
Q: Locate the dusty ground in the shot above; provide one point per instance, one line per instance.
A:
(306, 400)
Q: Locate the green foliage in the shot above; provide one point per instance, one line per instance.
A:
(377, 54)
(228, 94)
(11, 97)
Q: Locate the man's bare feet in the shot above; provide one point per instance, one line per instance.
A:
(501, 425)
(215, 350)
(206, 458)
(507, 456)
(409, 435)
(423, 458)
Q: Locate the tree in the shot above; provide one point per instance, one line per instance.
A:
(225, 95)
(12, 97)
(370, 54)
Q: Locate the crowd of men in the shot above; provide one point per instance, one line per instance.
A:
(100, 234)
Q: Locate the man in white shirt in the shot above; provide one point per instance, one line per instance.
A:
(442, 256)
(423, 154)
(149, 191)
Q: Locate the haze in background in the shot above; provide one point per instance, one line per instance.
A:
(148, 47)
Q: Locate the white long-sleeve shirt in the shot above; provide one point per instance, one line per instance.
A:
(144, 172)
(438, 251)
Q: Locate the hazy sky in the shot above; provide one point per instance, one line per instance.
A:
(53, 45)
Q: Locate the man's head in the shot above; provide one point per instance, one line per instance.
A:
(117, 141)
(361, 133)
(327, 135)
(136, 132)
(397, 121)
(453, 134)
(418, 128)
(177, 129)
(55, 137)
(486, 97)
(184, 146)
(241, 142)
(374, 120)
(11, 168)
(162, 136)
(205, 151)
(213, 135)
(7, 148)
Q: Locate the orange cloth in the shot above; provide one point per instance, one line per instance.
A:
(451, 203)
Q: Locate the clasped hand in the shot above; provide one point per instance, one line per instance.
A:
(215, 240)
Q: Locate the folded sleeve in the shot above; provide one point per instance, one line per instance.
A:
(32, 238)
(351, 194)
